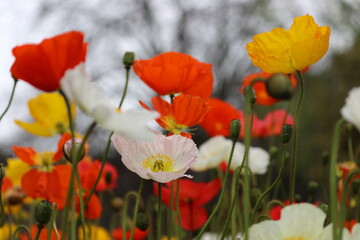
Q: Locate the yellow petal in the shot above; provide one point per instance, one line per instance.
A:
(15, 170)
(35, 128)
(95, 233)
(303, 28)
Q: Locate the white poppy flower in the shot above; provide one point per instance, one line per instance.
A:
(89, 97)
(163, 159)
(346, 235)
(298, 221)
(351, 111)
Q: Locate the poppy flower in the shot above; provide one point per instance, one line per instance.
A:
(185, 111)
(351, 111)
(343, 170)
(163, 159)
(298, 221)
(94, 232)
(262, 95)
(354, 234)
(50, 114)
(192, 198)
(173, 72)
(217, 121)
(93, 209)
(43, 65)
(271, 125)
(90, 98)
(282, 51)
(44, 180)
(138, 234)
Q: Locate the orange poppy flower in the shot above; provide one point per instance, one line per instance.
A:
(217, 121)
(45, 180)
(93, 209)
(173, 72)
(185, 111)
(43, 65)
(43, 234)
(138, 234)
(262, 96)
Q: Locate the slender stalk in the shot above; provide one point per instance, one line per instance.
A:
(21, 227)
(126, 86)
(171, 209)
(81, 200)
(294, 149)
(159, 213)
(350, 146)
(10, 99)
(52, 222)
(40, 227)
(178, 213)
(2, 211)
(124, 212)
(138, 197)
(221, 194)
(333, 179)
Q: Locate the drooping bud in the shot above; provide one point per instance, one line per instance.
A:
(255, 195)
(279, 87)
(43, 212)
(235, 128)
(286, 133)
(325, 158)
(15, 195)
(2, 171)
(142, 221)
(273, 151)
(313, 187)
(298, 198)
(128, 59)
(76, 146)
(117, 204)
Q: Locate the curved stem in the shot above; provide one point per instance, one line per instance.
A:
(10, 99)
(333, 178)
(294, 149)
(138, 197)
(221, 194)
(125, 87)
(22, 227)
(124, 212)
(258, 202)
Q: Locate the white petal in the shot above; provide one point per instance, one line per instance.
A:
(328, 234)
(259, 160)
(266, 230)
(351, 110)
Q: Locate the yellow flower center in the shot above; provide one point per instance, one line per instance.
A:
(294, 238)
(44, 161)
(172, 125)
(159, 162)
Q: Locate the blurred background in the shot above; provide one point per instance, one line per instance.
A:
(211, 31)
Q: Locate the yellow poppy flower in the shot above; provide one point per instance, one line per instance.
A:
(282, 51)
(15, 170)
(94, 233)
(50, 114)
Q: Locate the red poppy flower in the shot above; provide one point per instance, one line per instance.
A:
(89, 171)
(172, 72)
(6, 184)
(46, 181)
(217, 121)
(185, 111)
(138, 234)
(262, 96)
(269, 126)
(43, 65)
(344, 169)
(192, 197)
(93, 209)
(43, 234)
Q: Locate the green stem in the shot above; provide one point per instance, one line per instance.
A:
(125, 87)
(137, 203)
(178, 212)
(267, 191)
(52, 222)
(40, 227)
(2, 211)
(221, 194)
(82, 208)
(344, 198)
(350, 146)
(333, 178)
(21, 227)
(294, 149)
(171, 209)
(124, 212)
(10, 100)
(159, 213)
(274, 202)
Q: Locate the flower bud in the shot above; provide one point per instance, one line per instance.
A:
(15, 195)
(2, 171)
(43, 212)
(286, 133)
(76, 146)
(142, 221)
(323, 206)
(255, 195)
(279, 86)
(117, 204)
(235, 129)
(128, 59)
(273, 151)
(313, 187)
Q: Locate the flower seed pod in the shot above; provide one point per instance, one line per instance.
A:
(128, 59)
(76, 146)
(117, 204)
(279, 87)
(43, 212)
(286, 133)
(235, 128)
(142, 221)
(313, 187)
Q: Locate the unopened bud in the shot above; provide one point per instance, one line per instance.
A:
(128, 59)
(117, 204)
(73, 147)
(323, 206)
(313, 187)
(355, 186)
(235, 128)
(273, 151)
(298, 198)
(2, 171)
(15, 195)
(142, 221)
(250, 94)
(286, 133)
(255, 195)
(43, 212)
(325, 158)
(279, 87)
